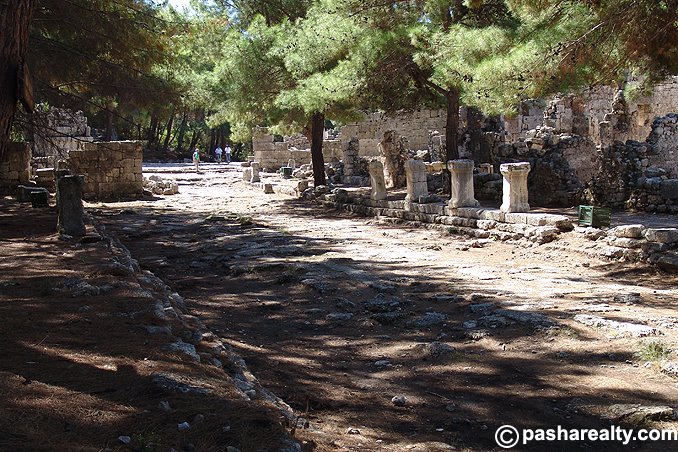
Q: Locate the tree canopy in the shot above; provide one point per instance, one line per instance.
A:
(207, 76)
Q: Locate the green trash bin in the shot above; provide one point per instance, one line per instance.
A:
(596, 217)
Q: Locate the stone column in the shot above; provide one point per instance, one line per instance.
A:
(515, 187)
(292, 164)
(415, 172)
(461, 180)
(70, 219)
(255, 172)
(377, 181)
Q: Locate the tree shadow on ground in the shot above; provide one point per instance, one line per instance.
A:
(314, 325)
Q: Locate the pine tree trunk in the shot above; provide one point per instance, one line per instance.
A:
(15, 18)
(194, 140)
(152, 135)
(317, 129)
(170, 122)
(108, 134)
(452, 125)
(182, 132)
(213, 140)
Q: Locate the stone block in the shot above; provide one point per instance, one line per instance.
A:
(631, 231)
(469, 212)
(516, 218)
(669, 189)
(666, 235)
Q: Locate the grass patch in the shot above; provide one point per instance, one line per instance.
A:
(653, 351)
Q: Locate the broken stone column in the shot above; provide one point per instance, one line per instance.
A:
(461, 180)
(393, 168)
(377, 181)
(515, 194)
(292, 164)
(255, 172)
(70, 219)
(415, 172)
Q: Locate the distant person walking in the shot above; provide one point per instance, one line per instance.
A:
(217, 154)
(228, 153)
(196, 159)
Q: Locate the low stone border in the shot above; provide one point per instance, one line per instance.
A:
(190, 337)
(632, 243)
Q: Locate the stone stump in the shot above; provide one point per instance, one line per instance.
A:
(417, 186)
(292, 164)
(247, 174)
(461, 184)
(70, 219)
(255, 172)
(515, 195)
(377, 180)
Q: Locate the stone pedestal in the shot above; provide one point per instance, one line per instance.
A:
(377, 181)
(461, 180)
(70, 220)
(415, 172)
(515, 187)
(255, 172)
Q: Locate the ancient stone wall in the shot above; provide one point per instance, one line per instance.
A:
(112, 169)
(15, 167)
(275, 154)
(414, 125)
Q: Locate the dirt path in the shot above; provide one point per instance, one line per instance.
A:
(338, 314)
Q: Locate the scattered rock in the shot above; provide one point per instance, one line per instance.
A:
(399, 400)
(629, 298)
(124, 439)
(318, 285)
(382, 363)
(639, 414)
(470, 324)
(493, 321)
(437, 349)
(164, 406)
(450, 407)
(186, 349)
(477, 335)
(622, 328)
(352, 431)
(169, 384)
(670, 368)
(381, 304)
(152, 329)
(387, 318)
(481, 307)
(344, 304)
(530, 318)
(381, 286)
(183, 426)
(428, 319)
(446, 298)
